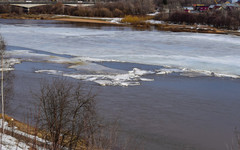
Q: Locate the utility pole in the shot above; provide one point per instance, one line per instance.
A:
(2, 48)
(3, 117)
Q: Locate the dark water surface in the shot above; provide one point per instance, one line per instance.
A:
(170, 113)
(176, 112)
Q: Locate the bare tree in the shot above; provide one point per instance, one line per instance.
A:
(7, 77)
(2, 52)
(67, 114)
(2, 49)
(67, 118)
(6, 84)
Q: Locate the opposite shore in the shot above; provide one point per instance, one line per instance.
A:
(107, 21)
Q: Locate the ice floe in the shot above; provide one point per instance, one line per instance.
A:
(130, 78)
(94, 67)
(216, 53)
(55, 72)
(135, 76)
(200, 54)
(169, 71)
(193, 73)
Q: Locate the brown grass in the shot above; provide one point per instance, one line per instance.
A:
(190, 28)
(135, 19)
(31, 131)
(26, 128)
(21, 126)
(138, 22)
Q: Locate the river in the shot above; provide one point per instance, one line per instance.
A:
(169, 90)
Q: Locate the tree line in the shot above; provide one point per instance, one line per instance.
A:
(113, 8)
(120, 8)
(218, 18)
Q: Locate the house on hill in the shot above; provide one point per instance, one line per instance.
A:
(234, 1)
(200, 7)
(188, 9)
(227, 1)
(222, 4)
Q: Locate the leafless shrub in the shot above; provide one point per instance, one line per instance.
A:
(102, 12)
(8, 77)
(2, 46)
(67, 114)
(58, 8)
(5, 8)
(67, 119)
(117, 13)
(11, 9)
(219, 19)
(116, 9)
(175, 3)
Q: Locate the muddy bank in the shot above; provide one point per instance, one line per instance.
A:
(161, 27)
(86, 21)
(194, 28)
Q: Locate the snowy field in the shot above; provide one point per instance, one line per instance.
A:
(11, 143)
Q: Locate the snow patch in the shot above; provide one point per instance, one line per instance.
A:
(154, 22)
(130, 78)
(10, 142)
(153, 14)
(55, 72)
(169, 71)
(116, 20)
(9, 63)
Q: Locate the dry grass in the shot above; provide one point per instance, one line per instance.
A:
(26, 128)
(135, 19)
(31, 131)
(78, 63)
(21, 126)
(190, 28)
(105, 140)
(34, 132)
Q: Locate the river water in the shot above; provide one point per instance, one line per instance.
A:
(171, 91)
